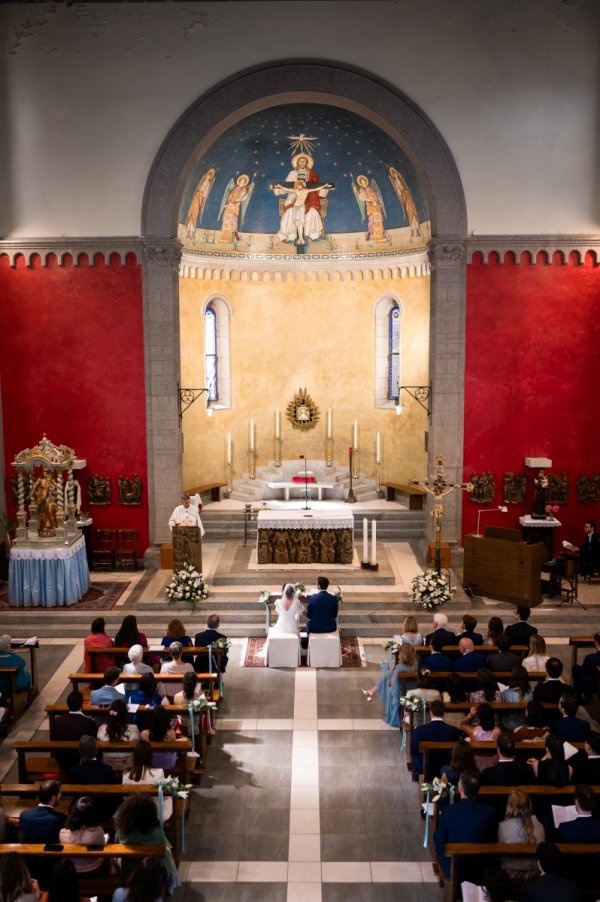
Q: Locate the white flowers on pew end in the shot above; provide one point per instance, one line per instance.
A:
(430, 590)
(201, 704)
(173, 787)
(393, 645)
(437, 786)
(265, 597)
(339, 595)
(187, 585)
(412, 703)
(222, 644)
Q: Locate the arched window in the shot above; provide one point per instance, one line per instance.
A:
(210, 354)
(388, 343)
(217, 360)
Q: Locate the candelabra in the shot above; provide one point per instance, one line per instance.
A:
(228, 477)
(351, 499)
(329, 452)
(355, 464)
(378, 475)
(252, 463)
(277, 447)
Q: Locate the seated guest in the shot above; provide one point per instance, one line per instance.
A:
(487, 688)
(468, 630)
(536, 660)
(135, 665)
(589, 550)
(587, 767)
(468, 821)
(16, 882)
(569, 727)
(456, 694)
(63, 885)
(410, 632)
(9, 658)
(117, 728)
(495, 629)
(82, 828)
(424, 688)
(550, 691)
(503, 659)
(90, 770)
(585, 828)
(520, 632)
(137, 824)
(205, 638)
(147, 882)
(143, 772)
(129, 634)
(552, 769)
(520, 825)
(434, 731)
(507, 772)
(159, 729)
(585, 675)
(73, 725)
(175, 665)
(97, 639)
(535, 725)
(176, 633)
(519, 690)
(108, 692)
(437, 662)
(43, 824)
(469, 660)
(549, 887)
(461, 759)
(480, 726)
(389, 687)
(149, 693)
(497, 885)
(439, 624)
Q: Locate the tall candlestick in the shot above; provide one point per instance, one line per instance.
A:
(229, 448)
(365, 556)
(251, 444)
(277, 423)
(329, 424)
(373, 542)
(378, 449)
(355, 436)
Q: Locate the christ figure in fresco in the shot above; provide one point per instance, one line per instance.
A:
(303, 171)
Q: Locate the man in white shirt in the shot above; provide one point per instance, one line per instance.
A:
(186, 514)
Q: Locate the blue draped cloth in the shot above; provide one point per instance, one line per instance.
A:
(54, 577)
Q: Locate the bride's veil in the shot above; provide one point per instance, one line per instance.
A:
(286, 594)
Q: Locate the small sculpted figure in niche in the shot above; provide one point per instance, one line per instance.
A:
(588, 489)
(99, 490)
(345, 551)
(265, 553)
(540, 498)
(305, 547)
(130, 490)
(327, 546)
(280, 549)
(513, 488)
(484, 488)
(43, 494)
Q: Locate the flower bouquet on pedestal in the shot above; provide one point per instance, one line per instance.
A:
(430, 590)
(187, 585)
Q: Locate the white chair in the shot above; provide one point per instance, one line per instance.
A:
(283, 650)
(324, 650)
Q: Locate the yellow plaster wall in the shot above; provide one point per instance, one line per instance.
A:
(318, 335)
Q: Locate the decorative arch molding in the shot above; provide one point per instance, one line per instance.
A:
(72, 250)
(190, 137)
(531, 248)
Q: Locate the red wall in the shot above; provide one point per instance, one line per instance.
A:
(531, 381)
(72, 366)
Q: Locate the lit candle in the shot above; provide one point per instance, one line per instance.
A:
(329, 424)
(378, 449)
(373, 542)
(252, 435)
(355, 436)
(277, 423)
(365, 556)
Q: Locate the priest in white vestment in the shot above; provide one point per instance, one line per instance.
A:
(186, 514)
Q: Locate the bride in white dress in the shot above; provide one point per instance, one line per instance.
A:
(288, 609)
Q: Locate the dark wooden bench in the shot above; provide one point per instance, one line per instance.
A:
(440, 677)
(35, 758)
(453, 651)
(213, 487)
(28, 647)
(213, 693)
(577, 642)
(16, 699)
(416, 495)
(89, 884)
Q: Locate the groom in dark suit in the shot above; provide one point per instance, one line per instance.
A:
(322, 610)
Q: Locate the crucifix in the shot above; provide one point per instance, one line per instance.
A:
(437, 486)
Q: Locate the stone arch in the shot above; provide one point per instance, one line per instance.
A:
(191, 135)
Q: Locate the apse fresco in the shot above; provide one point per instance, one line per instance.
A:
(304, 179)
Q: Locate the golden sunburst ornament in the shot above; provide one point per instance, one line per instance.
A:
(302, 412)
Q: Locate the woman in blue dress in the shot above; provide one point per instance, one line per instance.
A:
(388, 686)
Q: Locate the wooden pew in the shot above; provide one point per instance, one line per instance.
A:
(41, 752)
(29, 648)
(16, 699)
(577, 642)
(532, 749)
(151, 651)
(89, 884)
(25, 795)
(213, 692)
(453, 651)
(470, 678)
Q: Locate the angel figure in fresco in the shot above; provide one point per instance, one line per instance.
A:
(371, 205)
(199, 202)
(233, 207)
(406, 201)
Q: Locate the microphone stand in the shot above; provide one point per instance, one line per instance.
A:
(306, 504)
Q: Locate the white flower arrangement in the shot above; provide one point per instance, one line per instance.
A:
(201, 704)
(187, 585)
(439, 787)
(173, 787)
(224, 644)
(265, 597)
(339, 595)
(412, 703)
(430, 590)
(300, 588)
(393, 645)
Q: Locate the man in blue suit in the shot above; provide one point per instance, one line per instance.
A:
(43, 824)
(437, 730)
(569, 727)
(467, 821)
(322, 610)
(585, 828)
(549, 887)
(436, 662)
(470, 661)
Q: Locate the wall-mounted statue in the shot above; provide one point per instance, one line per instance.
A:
(588, 489)
(513, 488)
(484, 488)
(130, 490)
(99, 490)
(558, 489)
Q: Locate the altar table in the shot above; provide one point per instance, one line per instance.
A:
(302, 486)
(305, 537)
(50, 577)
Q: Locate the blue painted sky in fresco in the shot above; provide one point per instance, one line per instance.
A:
(345, 143)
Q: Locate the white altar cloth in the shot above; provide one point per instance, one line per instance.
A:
(303, 519)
